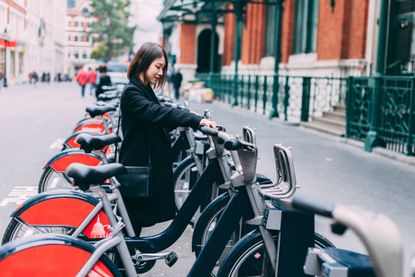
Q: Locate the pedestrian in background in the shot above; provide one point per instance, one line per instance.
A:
(82, 79)
(145, 125)
(169, 81)
(104, 80)
(177, 83)
(1, 80)
(92, 79)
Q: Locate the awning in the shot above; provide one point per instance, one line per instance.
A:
(191, 11)
(7, 43)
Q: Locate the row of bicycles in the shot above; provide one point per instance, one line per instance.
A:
(245, 224)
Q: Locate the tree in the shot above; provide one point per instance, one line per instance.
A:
(111, 32)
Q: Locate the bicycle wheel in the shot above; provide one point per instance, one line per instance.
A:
(51, 179)
(15, 230)
(248, 257)
(185, 176)
(56, 255)
(207, 222)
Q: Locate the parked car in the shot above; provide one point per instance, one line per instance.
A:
(117, 72)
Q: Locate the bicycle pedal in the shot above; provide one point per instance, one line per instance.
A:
(171, 259)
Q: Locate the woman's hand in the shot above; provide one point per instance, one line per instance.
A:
(207, 123)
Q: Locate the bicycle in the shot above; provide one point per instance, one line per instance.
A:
(244, 156)
(377, 232)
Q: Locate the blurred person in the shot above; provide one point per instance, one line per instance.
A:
(177, 83)
(1, 80)
(104, 80)
(82, 79)
(145, 125)
(170, 73)
(92, 79)
(34, 78)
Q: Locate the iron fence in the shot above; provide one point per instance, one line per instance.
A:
(296, 97)
(384, 106)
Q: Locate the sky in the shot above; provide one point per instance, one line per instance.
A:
(145, 17)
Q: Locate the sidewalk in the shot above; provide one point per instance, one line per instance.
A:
(328, 170)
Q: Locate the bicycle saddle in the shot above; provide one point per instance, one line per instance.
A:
(84, 176)
(90, 142)
(94, 111)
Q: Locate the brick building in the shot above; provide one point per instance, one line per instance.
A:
(318, 38)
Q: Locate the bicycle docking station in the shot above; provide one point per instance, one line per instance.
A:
(296, 235)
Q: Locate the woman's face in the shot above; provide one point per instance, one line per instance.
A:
(155, 71)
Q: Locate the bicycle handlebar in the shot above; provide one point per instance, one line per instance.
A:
(306, 204)
(209, 131)
(232, 144)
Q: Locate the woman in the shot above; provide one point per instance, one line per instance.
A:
(104, 80)
(145, 124)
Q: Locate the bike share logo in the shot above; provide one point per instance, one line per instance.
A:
(99, 230)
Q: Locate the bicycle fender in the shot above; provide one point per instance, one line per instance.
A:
(62, 160)
(46, 255)
(63, 208)
(97, 127)
(70, 142)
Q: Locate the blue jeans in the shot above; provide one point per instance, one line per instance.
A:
(83, 90)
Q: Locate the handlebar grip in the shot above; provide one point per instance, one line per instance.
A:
(209, 131)
(232, 144)
(306, 204)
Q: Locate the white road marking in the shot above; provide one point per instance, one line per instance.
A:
(57, 144)
(18, 195)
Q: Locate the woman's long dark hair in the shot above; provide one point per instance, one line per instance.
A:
(142, 60)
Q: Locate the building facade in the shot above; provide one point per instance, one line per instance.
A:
(317, 38)
(78, 42)
(30, 38)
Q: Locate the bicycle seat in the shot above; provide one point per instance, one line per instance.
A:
(84, 175)
(94, 111)
(90, 142)
(357, 264)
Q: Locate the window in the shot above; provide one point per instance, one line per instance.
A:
(400, 57)
(270, 31)
(306, 24)
(84, 55)
(85, 11)
(75, 38)
(70, 4)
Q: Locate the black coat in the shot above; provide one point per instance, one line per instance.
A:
(104, 80)
(145, 125)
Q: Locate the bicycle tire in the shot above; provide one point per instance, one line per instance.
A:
(182, 187)
(214, 210)
(30, 248)
(244, 259)
(202, 225)
(50, 180)
(14, 228)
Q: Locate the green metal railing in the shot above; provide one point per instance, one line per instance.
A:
(385, 107)
(297, 97)
(379, 110)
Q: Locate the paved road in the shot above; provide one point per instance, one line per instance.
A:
(33, 118)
